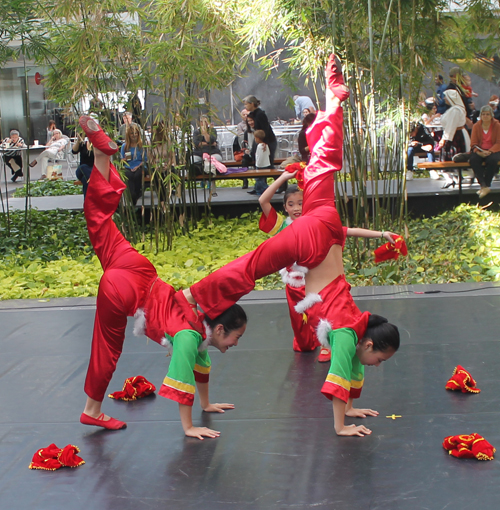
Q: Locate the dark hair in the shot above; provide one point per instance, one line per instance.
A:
(290, 191)
(308, 121)
(440, 77)
(382, 333)
(233, 318)
(249, 128)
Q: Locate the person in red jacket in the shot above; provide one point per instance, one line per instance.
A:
(485, 149)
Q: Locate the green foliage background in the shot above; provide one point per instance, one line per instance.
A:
(462, 245)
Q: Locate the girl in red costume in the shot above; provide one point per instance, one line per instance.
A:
(272, 223)
(130, 287)
(314, 241)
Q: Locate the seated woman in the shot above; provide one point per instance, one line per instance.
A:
(12, 155)
(205, 141)
(54, 150)
(130, 287)
(485, 149)
(83, 147)
(134, 158)
(313, 242)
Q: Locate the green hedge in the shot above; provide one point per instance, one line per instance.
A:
(461, 245)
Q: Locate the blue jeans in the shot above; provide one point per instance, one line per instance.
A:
(411, 154)
(83, 175)
(260, 185)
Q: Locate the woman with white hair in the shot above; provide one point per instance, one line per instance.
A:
(55, 146)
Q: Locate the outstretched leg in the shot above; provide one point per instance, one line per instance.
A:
(127, 277)
(307, 241)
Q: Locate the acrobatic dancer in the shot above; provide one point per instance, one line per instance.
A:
(130, 287)
(272, 223)
(314, 241)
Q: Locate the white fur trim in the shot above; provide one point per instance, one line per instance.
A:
(309, 301)
(292, 278)
(165, 342)
(322, 331)
(288, 221)
(208, 330)
(301, 269)
(139, 322)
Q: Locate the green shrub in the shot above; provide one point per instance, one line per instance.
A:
(462, 245)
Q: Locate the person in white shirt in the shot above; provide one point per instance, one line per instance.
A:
(55, 146)
(262, 160)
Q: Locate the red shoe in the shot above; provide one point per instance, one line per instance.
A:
(335, 79)
(97, 136)
(325, 355)
(110, 424)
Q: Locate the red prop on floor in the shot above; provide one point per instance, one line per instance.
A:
(52, 458)
(390, 251)
(462, 380)
(469, 446)
(134, 388)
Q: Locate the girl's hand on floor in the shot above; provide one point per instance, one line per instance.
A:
(354, 430)
(201, 432)
(360, 413)
(218, 408)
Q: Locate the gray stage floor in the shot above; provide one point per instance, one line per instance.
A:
(277, 448)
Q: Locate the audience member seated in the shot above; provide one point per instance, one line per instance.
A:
(205, 141)
(50, 130)
(432, 117)
(455, 137)
(474, 116)
(242, 126)
(54, 150)
(301, 103)
(134, 159)
(305, 152)
(127, 122)
(420, 141)
(84, 148)
(12, 157)
(485, 149)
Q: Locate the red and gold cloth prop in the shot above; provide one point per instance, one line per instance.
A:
(134, 388)
(462, 380)
(469, 446)
(52, 458)
(299, 168)
(389, 251)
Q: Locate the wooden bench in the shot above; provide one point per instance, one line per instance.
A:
(249, 174)
(446, 166)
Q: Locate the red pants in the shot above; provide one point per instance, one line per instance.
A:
(303, 337)
(306, 241)
(124, 286)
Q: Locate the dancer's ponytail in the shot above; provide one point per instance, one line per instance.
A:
(382, 333)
